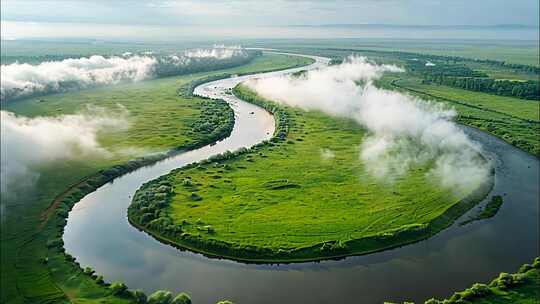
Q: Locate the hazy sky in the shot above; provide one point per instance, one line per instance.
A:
(21, 16)
(274, 12)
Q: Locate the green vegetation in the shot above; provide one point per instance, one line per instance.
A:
(510, 52)
(522, 287)
(489, 210)
(35, 268)
(514, 120)
(304, 195)
(463, 77)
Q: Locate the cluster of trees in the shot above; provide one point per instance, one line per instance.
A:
(430, 69)
(514, 66)
(212, 122)
(463, 77)
(503, 282)
(148, 202)
(520, 89)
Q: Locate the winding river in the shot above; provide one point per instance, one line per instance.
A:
(98, 235)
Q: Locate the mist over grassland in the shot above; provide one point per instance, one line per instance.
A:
(19, 80)
(403, 131)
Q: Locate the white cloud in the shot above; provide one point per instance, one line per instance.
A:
(27, 142)
(403, 131)
(23, 80)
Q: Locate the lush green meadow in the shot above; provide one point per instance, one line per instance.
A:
(306, 196)
(160, 120)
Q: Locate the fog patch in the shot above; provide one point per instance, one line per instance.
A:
(219, 51)
(19, 80)
(402, 131)
(29, 142)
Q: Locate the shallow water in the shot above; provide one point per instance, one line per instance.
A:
(99, 235)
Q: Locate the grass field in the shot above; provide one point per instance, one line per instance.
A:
(298, 197)
(160, 120)
(519, 108)
(521, 52)
(515, 51)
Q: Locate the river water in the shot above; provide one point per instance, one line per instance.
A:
(99, 236)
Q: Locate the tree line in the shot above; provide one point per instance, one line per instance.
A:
(463, 77)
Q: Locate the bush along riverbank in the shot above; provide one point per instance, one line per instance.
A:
(216, 121)
(520, 287)
(150, 209)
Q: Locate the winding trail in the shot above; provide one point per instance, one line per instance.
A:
(99, 235)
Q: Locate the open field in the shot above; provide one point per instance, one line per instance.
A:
(520, 52)
(307, 196)
(519, 108)
(24, 236)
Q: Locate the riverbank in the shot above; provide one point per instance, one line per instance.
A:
(193, 215)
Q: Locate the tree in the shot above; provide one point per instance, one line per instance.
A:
(181, 298)
(160, 297)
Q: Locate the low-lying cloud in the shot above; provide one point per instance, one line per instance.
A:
(29, 142)
(403, 131)
(20, 80)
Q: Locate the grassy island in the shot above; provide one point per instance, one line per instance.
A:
(304, 195)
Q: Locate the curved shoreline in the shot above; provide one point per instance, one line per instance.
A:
(370, 244)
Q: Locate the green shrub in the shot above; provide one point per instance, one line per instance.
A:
(476, 291)
(160, 297)
(139, 296)
(536, 263)
(225, 302)
(181, 298)
(55, 243)
(118, 288)
(88, 271)
(524, 268)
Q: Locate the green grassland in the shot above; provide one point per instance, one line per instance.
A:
(160, 120)
(306, 196)
(518, 108)
(520, 52)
